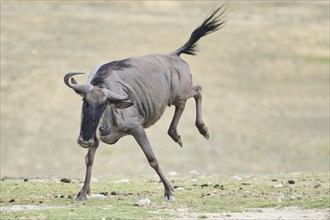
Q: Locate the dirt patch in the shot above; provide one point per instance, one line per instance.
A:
(262, 213)
(17, 208)
(266, 213)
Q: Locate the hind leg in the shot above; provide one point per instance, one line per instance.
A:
(172, 132)
(197, 94)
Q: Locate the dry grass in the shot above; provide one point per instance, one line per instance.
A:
(265, 78)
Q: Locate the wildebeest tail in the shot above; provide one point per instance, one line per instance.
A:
(213, 22)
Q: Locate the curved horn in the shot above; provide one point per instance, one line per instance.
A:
(112, 95)
(73, 84)
(129, 90)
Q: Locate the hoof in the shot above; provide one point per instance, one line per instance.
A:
(180, 142)
(203, 130)
(81, 197)
(207, 136)
(170, 198)
(175, 136)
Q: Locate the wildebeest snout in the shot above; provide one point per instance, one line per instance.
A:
(84, 143)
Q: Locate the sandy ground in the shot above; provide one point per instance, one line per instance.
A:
(272, 213)
(260, 213)
(267, 214)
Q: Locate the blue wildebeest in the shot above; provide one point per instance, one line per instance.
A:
(125, 97)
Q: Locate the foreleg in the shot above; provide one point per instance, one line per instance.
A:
(142, 139)
(89, 159)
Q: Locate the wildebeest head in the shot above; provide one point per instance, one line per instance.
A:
(95, 101)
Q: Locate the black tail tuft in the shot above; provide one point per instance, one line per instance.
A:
(213, 22)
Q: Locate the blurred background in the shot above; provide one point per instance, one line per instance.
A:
(265, 79)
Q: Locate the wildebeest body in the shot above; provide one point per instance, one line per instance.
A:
(158, 81)
(124, 97)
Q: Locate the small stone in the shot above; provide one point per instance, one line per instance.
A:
(122, 181)
(65, 180)
(179, 188)
(193, 172)
(236, 178)
(217, 186)
(291, 182)
(194, 180)
(97, 196)
(204, 185)
(114, 193)
(12, 200)
(104, 193)
(279, 185)
(246, 184)
(143, 202)
(173, 173)
(317, 186)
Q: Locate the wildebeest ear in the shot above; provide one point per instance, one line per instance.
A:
(121, 104)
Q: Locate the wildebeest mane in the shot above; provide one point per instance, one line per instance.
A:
(105, 70)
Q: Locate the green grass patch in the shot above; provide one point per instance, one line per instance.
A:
(53, 199)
